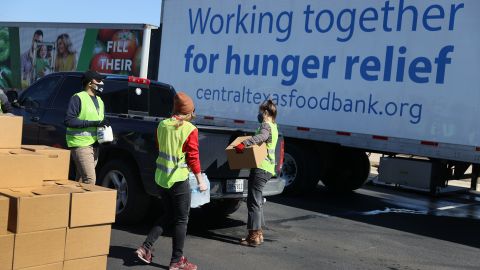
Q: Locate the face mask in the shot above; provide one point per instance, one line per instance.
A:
(260, 117)
(97, 87)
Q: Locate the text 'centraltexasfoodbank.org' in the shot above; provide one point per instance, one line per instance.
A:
(330, 101)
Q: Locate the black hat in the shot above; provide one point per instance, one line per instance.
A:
(93, 75)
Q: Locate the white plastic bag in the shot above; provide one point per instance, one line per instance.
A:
(198, 198)
(105, 134)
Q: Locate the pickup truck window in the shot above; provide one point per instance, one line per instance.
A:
(70, 86)
(138, 100)
(39, 94)
(115, 96)
(161, 101)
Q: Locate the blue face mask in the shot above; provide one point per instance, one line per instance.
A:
(260, 117)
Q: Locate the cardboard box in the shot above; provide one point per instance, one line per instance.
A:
(250, 158)
(92, 263)
(58, 163)
(21, 169)
(39, 248)
(4, 208)
(84, 242)
(37, 209)
(52, 266)
(11, 135)
(6, 251)
(90, 205)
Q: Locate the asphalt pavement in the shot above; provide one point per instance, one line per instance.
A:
(374, 228)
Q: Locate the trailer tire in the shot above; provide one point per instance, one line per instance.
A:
(349, 170)
(132, 201)
(298, 170)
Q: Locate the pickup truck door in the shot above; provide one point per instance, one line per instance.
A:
(34, 102)
(52, 128)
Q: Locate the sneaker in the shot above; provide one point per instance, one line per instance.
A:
(183, 264)
(144, 254)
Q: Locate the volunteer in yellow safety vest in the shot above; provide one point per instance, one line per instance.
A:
(268, 133)
(84, 114)
(177, 155)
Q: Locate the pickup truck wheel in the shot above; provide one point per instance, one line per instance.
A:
(297, 170)
(349, 171)
(132, 201)
(222, 208)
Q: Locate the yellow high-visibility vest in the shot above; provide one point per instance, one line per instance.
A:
(171, 161)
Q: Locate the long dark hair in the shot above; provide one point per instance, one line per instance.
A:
(269, 108)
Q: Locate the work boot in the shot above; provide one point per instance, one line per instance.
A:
(183, 264)
(260, 235)
(144, 254)
(253, 239)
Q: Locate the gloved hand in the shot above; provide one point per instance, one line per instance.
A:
(240, 148)
(103, 123)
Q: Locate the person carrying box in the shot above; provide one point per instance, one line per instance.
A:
(268, 133)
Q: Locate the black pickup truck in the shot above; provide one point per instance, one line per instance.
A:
(134, 107)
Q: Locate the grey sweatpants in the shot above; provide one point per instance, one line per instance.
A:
(85, 159)
(256, 183)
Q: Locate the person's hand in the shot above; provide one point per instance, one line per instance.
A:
(103, 123)
(240, 148)
(202, 186)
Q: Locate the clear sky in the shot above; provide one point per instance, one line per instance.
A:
(81, 11)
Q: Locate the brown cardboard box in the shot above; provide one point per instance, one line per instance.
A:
(84, 197)
(52, 266)
(11, 135)
(58, 162)
(37, 209)
(4, 208)
(250, 158)
(21, 169)
(39, 248)
(84, 242)
(6, 251)
(92, 263)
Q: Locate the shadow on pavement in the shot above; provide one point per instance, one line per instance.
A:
(129, 257)
(201, 224)
(382, 210)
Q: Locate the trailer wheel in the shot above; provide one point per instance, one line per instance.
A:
(349, 170)
(298, 170)
(132, 201)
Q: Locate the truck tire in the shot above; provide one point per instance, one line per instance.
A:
(298, 170)
(132, 201)
(349, 170)
(222, 208)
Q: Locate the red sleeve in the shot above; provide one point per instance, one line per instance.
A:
(190, 147)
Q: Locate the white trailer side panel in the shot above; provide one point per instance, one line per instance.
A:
(403, 69)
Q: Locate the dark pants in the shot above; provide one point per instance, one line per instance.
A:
(176, 206)
(256, 183)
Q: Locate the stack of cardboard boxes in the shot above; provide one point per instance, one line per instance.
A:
(47, 222)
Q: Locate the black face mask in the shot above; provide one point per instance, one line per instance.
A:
(97, 88)
(260, 117)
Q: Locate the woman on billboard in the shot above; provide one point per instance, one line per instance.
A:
(65, 60)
